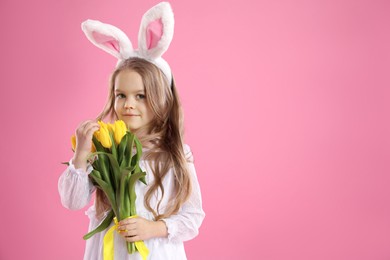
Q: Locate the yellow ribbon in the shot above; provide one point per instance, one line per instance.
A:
(108, 243)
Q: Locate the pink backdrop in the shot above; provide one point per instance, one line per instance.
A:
(287, 112)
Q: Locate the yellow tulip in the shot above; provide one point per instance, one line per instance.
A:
(119, 131)
(111, 128)
(73, 140)
(103, 135)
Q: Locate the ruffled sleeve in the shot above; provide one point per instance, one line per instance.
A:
(75, 187)
(185, 224)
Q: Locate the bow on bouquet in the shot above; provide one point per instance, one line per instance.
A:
(116, 153)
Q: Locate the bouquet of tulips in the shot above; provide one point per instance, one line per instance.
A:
(116, 153)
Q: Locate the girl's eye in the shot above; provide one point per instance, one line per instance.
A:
(141, 96)
(120, 96)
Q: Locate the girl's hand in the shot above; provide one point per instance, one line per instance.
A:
(84, 133)
(137, 229)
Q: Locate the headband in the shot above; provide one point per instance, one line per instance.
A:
(154, 36)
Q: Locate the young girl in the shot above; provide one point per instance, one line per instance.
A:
(143, 94)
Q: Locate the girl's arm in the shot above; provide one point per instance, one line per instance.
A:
(75, 187)
(185, 224)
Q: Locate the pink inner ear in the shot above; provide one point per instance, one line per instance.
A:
(108, 41)
(154, 32)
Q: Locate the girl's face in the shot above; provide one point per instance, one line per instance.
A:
(130, 100)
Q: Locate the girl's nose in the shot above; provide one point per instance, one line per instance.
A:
(129, 104)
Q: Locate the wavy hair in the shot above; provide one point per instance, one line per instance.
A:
(163, 135)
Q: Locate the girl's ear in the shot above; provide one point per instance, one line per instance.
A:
(108, 38)
(156, 31)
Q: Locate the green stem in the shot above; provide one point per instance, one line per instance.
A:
(129, 149)
(113, 146)
(121, 198)
(131, 247)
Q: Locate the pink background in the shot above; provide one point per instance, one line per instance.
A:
(287, 112)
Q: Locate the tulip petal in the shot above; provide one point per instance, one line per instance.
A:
(73, 140)
(120, 130)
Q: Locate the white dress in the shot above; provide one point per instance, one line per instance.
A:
(76, 190)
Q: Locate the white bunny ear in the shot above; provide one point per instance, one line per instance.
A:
(108, 38)
(156, 31)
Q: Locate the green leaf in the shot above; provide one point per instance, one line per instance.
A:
(133, 178)
(138, 146)
(129, 149)
(122, 148)
(105, 224)
(137, 158)
(124, 209)
(113, 165)
(101, 165)
(130, 169)
(138, 169)
(96, 174)
(127, 201)
(113, 146)
(107, 189)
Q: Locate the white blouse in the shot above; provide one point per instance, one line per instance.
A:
(76, 190)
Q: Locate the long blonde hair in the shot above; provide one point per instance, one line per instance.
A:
(164, 136)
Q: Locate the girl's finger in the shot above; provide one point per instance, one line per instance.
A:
(127, 221)
(81, 128)
(129, 233)
(83, 124)
(90, 125)
(126, 227)
(92, 130)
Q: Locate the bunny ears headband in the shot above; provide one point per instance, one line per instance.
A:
(155, 35)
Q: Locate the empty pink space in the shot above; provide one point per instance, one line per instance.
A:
(287, 112)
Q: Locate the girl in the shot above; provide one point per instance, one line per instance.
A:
(143, 94)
